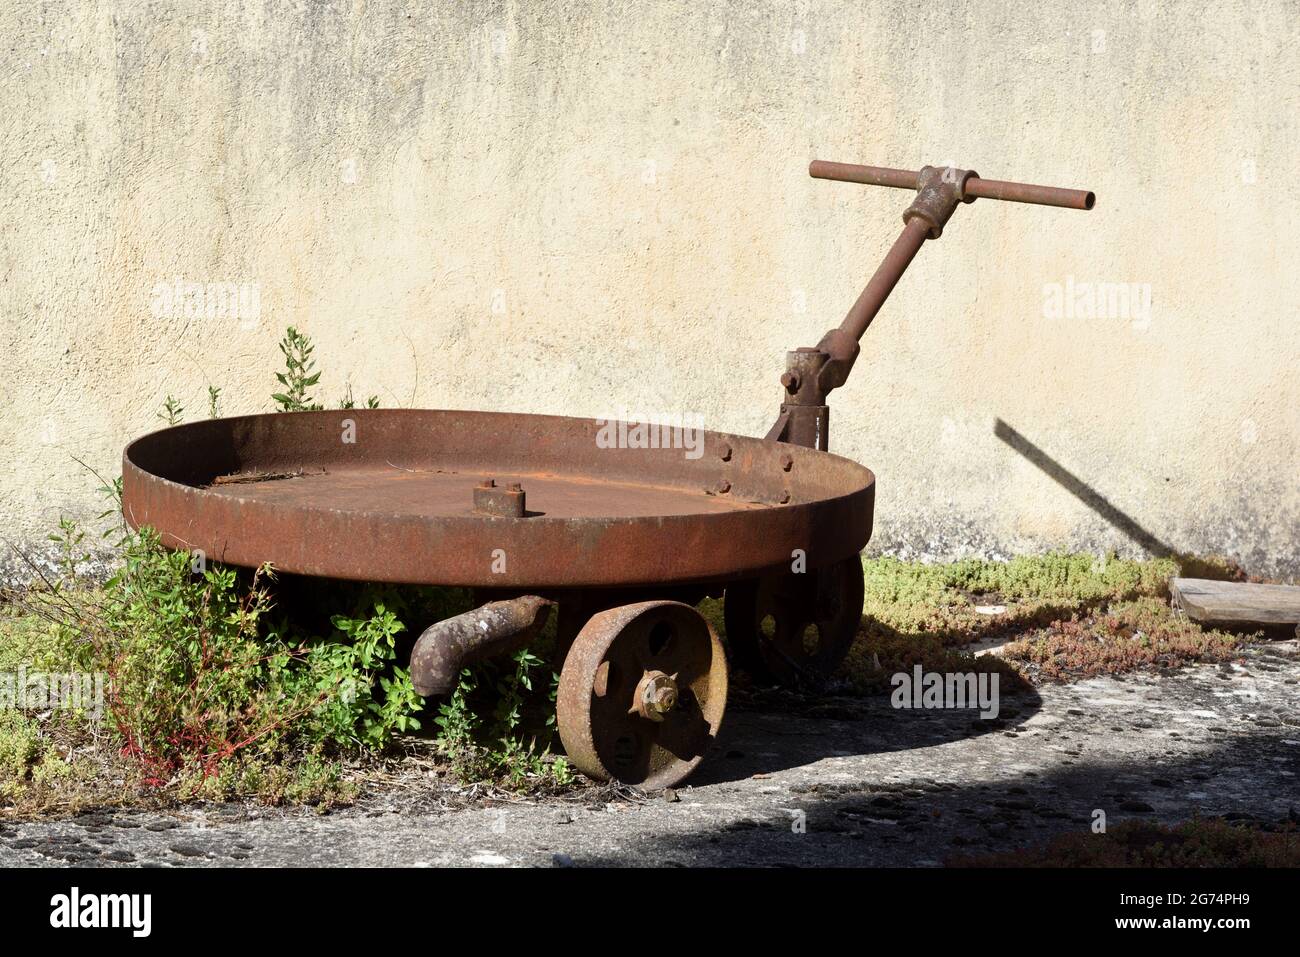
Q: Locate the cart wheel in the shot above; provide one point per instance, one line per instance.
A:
(642, 693)
(795, 629)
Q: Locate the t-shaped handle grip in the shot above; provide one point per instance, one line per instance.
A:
(976, 187)
(940, 190)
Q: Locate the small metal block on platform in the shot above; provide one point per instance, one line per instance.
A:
(497, 502)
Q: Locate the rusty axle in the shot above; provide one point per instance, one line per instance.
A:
(449, 645)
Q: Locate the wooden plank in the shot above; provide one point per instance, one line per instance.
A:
(1236, 602)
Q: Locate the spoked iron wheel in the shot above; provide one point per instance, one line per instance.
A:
(795, 629)
(642, 694)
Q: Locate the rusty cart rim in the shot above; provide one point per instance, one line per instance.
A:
(289, 490)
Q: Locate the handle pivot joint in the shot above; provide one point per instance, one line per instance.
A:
(939, 189)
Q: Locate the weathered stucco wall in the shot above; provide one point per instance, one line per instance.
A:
(576, 207)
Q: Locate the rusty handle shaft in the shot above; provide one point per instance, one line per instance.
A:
(885, 278)
(975, 186)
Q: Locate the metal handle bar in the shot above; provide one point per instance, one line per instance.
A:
(976, 187)
(811, 373)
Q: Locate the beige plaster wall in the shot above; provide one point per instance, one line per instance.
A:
(581, 207)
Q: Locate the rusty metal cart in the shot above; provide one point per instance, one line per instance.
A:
(537, 512)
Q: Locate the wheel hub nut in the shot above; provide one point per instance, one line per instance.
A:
(656, 695)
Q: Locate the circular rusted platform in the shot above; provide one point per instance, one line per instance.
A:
(388, 495)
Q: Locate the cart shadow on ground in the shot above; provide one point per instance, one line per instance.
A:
(921, 821)
(926, 788)
(768, 730)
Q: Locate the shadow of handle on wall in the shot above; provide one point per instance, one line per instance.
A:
(1084, 492)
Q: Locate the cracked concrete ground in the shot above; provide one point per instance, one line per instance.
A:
(830, 782)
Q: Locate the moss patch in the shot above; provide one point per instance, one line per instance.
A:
(1058, 616)
(1124, 637)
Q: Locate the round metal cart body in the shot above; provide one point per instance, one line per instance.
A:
(395, 502)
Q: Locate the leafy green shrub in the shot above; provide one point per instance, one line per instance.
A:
(196, 674)
(20, 745)
(173, 412)
(506, 747)
(207, 691)
(364, 697)
(299, 374)
(189, 678)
